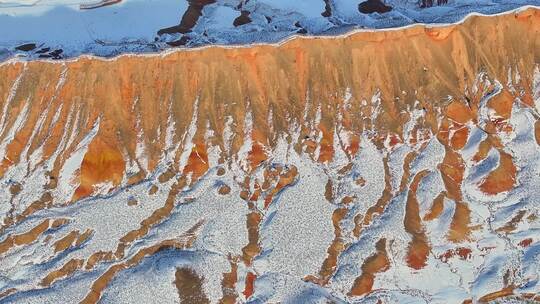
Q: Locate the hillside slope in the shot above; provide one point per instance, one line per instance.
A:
(348, 169)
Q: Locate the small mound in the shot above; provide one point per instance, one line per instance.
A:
(373, 6)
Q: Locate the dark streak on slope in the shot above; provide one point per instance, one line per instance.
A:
(327, 9)
(189, 19)
(189, 286)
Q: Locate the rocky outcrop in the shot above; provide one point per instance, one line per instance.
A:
(373, 6)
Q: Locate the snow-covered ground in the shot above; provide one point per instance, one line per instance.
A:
(295, 231)
(60, 29)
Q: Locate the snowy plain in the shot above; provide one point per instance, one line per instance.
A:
(132, 26)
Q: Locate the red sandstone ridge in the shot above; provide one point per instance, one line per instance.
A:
(137, 95)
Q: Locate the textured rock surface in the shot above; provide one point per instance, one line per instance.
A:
(357, 168)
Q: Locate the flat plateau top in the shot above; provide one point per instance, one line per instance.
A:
(58, 29)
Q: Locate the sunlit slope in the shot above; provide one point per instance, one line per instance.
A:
(359, 167)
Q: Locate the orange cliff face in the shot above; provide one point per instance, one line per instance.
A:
(88, 128)
(133, 94)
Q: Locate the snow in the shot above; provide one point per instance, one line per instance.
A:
(157, 275)
(67, 183)
(80, 31)
(224, 18)
(347, 9)
(131, 26)
(311, 9)
(302, 212)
